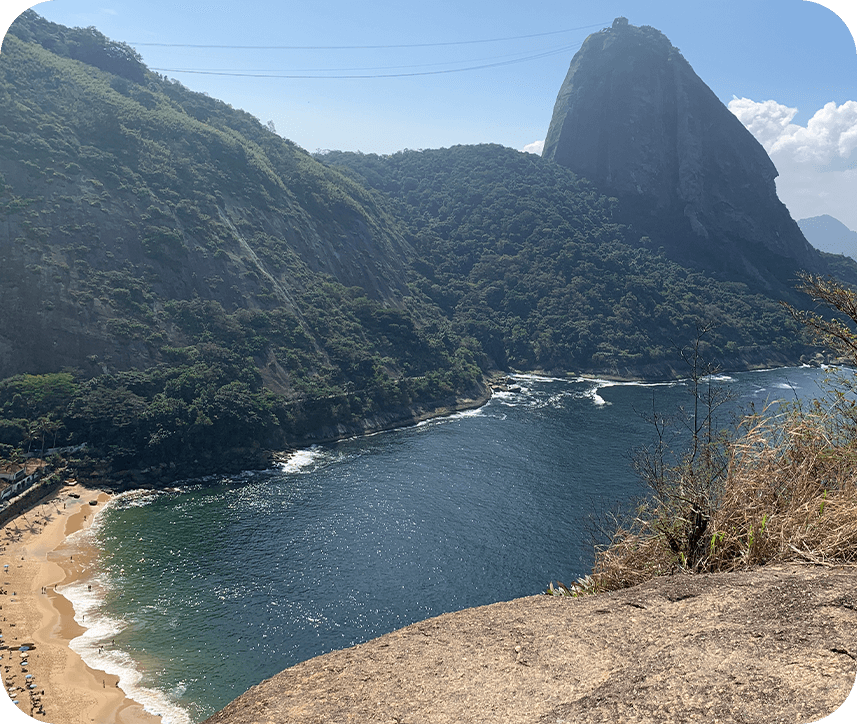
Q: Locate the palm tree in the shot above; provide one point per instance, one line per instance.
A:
(53, 426)
(30, 433)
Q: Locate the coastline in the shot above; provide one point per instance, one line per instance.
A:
(35, 547)
(42, 559)
(51, 554)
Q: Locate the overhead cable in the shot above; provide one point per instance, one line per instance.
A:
(303, 74)
(363, 47)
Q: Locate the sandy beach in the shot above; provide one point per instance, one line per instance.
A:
(54, 685)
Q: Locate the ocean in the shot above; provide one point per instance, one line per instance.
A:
(204, 591)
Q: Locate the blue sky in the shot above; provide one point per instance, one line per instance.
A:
(788, 60)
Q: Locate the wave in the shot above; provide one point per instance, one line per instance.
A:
(461, 414)
(507, 398)
(533, 377)
(719, 377)
(94, 645)
(596, 398)
(440, 420)
(302, 461)
(128, 499)
(785, 386)
(776, 369)
(95, 648)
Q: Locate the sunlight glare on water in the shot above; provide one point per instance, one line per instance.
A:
(209, 590)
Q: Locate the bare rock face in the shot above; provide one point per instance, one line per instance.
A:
(633, 117)
(776, 644)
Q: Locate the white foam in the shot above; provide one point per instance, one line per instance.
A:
(629, 383)
(302, 461)
(717, 378)
(95, 648)
(93, 645)
(785, 386)
(461, 414)
(508, 398)
(443, 419)
(597, 399)
(129, 499)
(532, 377)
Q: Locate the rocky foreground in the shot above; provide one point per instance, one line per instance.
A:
(777, 644)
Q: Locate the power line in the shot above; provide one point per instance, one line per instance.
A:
(563, 48)
(303, 72)
(244, 74)
(365, 47)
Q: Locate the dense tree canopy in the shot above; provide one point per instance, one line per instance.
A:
(526, 257)
(181, 281)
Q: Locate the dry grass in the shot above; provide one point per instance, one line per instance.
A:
(784, 488)
(789, 492)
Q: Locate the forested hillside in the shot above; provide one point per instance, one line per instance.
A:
(207, 282)
(180, 283)
(527, 258)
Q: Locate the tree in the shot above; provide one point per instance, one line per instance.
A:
(783, 487)
(686, 484)
(835, 332)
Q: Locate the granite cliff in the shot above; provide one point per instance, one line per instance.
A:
(633, 117)
(177, 280)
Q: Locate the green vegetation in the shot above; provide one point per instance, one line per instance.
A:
(182, 283)
(208, 284)
(782, 487)
(526, 258)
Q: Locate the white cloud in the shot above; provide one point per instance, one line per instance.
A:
(766, 121)
(813, 160)
(535, 147)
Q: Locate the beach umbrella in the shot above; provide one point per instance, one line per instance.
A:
(28, 676)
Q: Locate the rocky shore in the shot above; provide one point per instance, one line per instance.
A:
(235, 460)
(776, 644)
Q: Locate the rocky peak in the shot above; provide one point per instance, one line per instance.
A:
(633, 117)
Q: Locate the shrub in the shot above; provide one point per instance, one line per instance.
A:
(780, 488)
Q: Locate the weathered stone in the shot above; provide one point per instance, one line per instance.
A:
(633, 117)
(775, 644)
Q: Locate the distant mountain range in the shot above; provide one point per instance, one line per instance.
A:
(830, 235)
(178, 281)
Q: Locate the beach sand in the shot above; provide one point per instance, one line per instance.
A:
(34, 614)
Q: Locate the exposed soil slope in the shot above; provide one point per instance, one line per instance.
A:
(770, 645)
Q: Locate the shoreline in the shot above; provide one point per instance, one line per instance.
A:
(39, 558)
(41, 561)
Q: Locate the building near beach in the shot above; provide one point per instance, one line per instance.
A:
(17, 477)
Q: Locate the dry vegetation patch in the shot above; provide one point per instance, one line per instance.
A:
(782, 488)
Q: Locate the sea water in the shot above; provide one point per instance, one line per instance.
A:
(203, 592)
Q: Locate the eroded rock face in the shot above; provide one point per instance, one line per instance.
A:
(634, 117)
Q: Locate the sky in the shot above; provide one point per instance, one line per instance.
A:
(450, 72)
